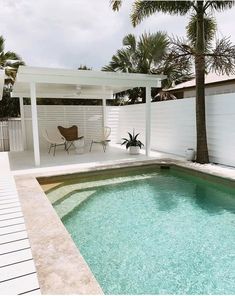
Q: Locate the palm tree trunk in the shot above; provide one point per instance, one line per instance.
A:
(202, 150)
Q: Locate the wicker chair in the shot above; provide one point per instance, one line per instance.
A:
(53, 141)
(70, 134)
(104, 141)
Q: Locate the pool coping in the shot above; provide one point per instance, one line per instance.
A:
(51, 244)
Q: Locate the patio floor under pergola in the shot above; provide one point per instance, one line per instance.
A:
(22, 162)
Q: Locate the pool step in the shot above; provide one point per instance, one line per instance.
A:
(69, 204)
(61, 192)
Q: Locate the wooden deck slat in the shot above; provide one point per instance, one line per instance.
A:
(11, 229)
(9, 205)
(14, 246)
(20, 285)
(17, 268)
(10, 210)
(12, 271)
(18, 256)
(7, 201)
(32, 292)
(11, 215)
(13, 237)
(9, 222)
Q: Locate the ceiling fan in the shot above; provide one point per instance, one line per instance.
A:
(76, 92)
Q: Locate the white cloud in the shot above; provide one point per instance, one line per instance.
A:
(67, 33)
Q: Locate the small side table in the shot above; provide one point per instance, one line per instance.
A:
(79, 146)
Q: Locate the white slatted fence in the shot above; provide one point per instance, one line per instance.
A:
(4, 136)
(89, 120)
(173, 126)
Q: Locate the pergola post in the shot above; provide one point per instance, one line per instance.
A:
(148, 121)
(104, 112)
(21, 99)
(35, 123)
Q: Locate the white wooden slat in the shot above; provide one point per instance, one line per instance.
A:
(7, 190)
(8, 206)
(6, 201)
(10, 229)
(19, 256)
(11, 215)
(33, 292)
(15, 221)
(13, 237)
(10, 210)
(8, 195)
(15, 270)
(20, 284)
(14, 246)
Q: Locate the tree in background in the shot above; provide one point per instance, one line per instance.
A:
(9, 62)
(84, 67)
(221, 58)
(149, 54)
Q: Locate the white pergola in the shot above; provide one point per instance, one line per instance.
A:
(33, 82)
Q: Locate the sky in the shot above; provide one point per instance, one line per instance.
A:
(70, 33)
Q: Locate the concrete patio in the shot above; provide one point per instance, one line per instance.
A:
(23, 162)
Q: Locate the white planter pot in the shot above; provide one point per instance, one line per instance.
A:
(134, 150)
(190, 154)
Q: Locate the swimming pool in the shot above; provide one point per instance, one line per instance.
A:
(151, 231)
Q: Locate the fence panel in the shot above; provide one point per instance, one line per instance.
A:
(4, 136)
(173, 125)
(89, 120)
(15, 134)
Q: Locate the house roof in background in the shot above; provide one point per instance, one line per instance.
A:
(209, 79)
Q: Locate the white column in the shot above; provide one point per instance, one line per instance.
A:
(35, 123)
(22, 121)
(148, 121)
(104, 112)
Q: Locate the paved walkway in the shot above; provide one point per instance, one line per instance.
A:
(17, 269)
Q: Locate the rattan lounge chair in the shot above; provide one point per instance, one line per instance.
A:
(70, 134)
(54, 141)
(104, 141)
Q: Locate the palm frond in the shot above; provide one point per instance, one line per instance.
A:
(219, 5)
(116, 4)
(142, 9)
(129, 41)
(2, 40)
(210, 28)
(222, 58)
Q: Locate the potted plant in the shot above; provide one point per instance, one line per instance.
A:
(133, 143)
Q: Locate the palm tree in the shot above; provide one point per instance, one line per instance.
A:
(143, 9)
(9, 61)
(140, 56)
(149, 54)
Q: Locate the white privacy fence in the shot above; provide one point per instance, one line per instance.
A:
(89, 120)
(4, 136)
(11, 135)
(173, 127)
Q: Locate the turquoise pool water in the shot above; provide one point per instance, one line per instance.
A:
(152, 231)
